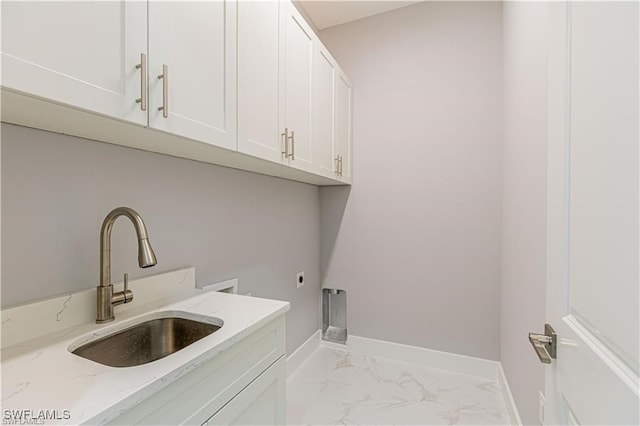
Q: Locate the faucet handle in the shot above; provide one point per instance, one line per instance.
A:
(128, 294)
(125, 296)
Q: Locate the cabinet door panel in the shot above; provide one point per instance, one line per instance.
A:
(82, 54)
(196, 40)
(260, 100)
(323, 115)
(343, 125)
(263, 402)
(298, 69)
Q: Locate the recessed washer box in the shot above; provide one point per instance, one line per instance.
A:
(334, 315)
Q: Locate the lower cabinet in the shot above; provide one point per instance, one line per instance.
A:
(245, 384)
(259, 403)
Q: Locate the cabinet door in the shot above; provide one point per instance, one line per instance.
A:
(343, 125)
(298, 40)
(82, 54)
(195, 42)
(260, 98)
(263, 402)
(324, 114)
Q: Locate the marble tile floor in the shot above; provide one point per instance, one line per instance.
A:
(334, 387)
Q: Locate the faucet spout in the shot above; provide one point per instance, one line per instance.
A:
(146, 258)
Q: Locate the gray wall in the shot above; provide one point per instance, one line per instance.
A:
(56, 191)
(524, 199)
(418, 245)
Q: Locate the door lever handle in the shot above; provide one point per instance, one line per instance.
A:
(545, 344)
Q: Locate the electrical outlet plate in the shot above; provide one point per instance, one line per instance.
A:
(300, 279)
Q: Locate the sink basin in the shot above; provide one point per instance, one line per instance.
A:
(146, 341)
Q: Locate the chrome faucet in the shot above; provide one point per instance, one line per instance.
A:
(107, 299)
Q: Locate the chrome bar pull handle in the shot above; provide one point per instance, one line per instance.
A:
(142, 66)
(293, 145)
(545, 344)
(165, 91)
(286, 142)
(341, 165)
(337, 165)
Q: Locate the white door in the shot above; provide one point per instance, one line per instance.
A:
(343, 126)
(593, 256)
(323, 114)
(194, 42)
(82, 54)
(260, 98)
(298, 43)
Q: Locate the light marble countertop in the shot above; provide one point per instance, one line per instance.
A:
(42, 373)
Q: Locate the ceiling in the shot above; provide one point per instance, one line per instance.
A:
(328, 13)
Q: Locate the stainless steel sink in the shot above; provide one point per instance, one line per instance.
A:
(146, 342)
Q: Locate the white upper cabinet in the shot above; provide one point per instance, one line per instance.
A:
(192, 69)
(229, 82)
(260, 82)
(277, 87)
(298, 50)
(324, 114)
(331, 119)
(81, 54)
(342, 142)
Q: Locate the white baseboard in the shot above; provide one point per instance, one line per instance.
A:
(512, 409)
(303, 352)
(461, 364)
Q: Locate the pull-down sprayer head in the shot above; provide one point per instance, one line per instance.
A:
(146, 256)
